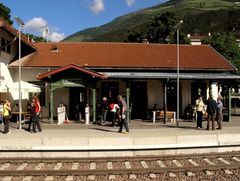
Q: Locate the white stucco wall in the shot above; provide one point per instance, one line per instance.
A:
(155, 93)
(58, 96)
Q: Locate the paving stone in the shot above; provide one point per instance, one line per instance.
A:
(209, 172)
(190, 174)
(228, 172)
(236, 159)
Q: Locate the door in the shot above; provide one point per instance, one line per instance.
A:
(138, 100)
(77, 103)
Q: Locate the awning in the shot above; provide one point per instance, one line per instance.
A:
(171, 75)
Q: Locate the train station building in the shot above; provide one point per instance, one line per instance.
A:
(80, 74)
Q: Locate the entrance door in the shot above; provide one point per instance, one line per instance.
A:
(138, 97)
(198, 88)
(77, 103)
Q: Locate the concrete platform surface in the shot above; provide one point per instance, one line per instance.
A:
(145, 138)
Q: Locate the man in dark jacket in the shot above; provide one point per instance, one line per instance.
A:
(211, 110)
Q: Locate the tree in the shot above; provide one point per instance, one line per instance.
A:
(36, 38)
(226, 45)
(5, 13)
(160, 29)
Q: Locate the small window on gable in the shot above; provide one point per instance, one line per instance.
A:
(54, 48)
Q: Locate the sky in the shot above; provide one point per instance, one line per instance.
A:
(66, 17)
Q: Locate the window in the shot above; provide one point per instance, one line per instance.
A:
(6, 48)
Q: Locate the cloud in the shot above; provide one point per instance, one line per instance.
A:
(97, 6)
(37, 24)
(56, 37)
(130, 2)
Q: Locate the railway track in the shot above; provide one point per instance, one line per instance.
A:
(186, 167)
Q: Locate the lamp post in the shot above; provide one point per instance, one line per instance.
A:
(21, 24)
(178, 89)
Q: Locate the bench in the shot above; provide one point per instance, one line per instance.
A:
(160, 114)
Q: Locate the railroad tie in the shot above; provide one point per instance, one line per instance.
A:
(91, 177)
(208, 161)
(209, 172)
(190, 174)
(49, 178)
(152, 175)
(132, 177)
(75, 166)
(58, 166)
(69, 178)
(172, 175)
(27, 178)
(39, 166)
(8, 178)
(236, 159)
(228, 172)
(161, 164)
(144, 164)
(128, 165)
(177, 163)
(21, 167)
(193, 162)
(224, 161)
(111, 177)
(4, 166)
(109, 165)
(92, 166)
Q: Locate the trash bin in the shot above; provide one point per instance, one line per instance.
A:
(87, 116)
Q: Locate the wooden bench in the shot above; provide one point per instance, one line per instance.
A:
(160, 115)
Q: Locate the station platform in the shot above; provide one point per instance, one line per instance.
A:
(76, 139)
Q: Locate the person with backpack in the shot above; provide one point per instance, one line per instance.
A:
(113, 110)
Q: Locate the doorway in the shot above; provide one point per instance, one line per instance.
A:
(77, 103)
(138, 100)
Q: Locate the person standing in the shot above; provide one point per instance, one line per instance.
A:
(105, 109)
(36, 122)
(6, 114)
(211, 110)
(113, 109)
(122, 114)
(219, 112)
(32, 114)
(199, 108)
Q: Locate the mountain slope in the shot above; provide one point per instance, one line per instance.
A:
(200, 17)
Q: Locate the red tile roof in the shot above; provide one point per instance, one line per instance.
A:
(126, 55)
(68, 67)
(13, 31)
